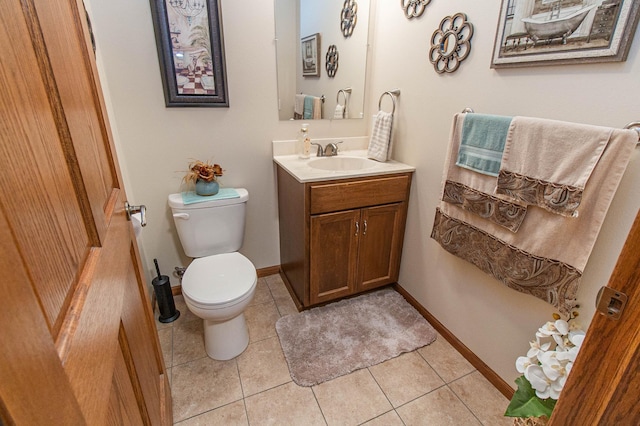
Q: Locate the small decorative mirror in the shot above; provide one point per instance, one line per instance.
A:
(451, 43)
(349, 17)
(414, 8)
(332, 60)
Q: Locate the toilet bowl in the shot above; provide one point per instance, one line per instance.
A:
(217, 289)
(220, 282)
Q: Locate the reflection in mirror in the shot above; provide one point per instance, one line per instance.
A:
(296, 19)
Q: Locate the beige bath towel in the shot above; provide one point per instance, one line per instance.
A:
(547, 256)
(548, 163)
(317, 108)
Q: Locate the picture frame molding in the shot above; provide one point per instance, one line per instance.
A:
(173, 98)
(624, 30)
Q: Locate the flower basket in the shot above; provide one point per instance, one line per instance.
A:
(204, 176)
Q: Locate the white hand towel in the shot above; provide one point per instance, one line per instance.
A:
(379, 144)
(298, 106)
(339, 112)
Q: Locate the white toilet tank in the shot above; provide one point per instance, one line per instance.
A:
(211, 227)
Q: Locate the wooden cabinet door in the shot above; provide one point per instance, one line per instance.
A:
(78, 337)
(333, 255)
(379, 250)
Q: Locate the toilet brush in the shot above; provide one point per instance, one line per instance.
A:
(164, 296)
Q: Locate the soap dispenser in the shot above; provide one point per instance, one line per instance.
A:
(304, 142)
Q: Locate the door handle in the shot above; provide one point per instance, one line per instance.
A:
(142, 209)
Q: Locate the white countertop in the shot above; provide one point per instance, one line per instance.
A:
(302, 172)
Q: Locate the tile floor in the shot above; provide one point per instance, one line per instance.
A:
(433, 385)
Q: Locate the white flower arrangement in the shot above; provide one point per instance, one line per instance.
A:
(545, 368)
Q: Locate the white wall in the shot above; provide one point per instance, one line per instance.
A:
(155, 144)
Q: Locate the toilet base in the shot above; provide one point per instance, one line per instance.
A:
(226, 340)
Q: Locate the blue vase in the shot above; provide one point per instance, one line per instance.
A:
(207, 188)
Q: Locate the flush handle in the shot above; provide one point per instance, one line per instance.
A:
(611, 302)
(184, 216)
(142, 209)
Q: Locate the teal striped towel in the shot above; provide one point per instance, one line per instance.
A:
(307, 112)
(482, 144)
(190, 197)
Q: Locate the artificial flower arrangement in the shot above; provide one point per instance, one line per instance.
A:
(204, 175)
(202, 170)
(545, 369)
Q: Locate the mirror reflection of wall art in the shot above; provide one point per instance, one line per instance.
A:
(451, 43)
(332, 61)
(414, 8)
(348, 17)
(311, 55)
(550, 32)
(191, 52)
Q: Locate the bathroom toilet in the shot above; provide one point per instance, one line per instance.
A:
(220, 282)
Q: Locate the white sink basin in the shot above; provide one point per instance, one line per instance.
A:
(341, 163)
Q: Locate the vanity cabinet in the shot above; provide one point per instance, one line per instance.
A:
(340, 237)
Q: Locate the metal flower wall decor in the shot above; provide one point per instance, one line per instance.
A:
(348, 17)
(331, 60)
(451, 43)
(414, 8)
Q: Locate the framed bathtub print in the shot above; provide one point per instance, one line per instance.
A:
(310, 52)
(191, 52)
(551, 32)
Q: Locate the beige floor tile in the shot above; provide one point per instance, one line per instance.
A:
(261, 320)
(262, 366)
(166, 344)
(185, 314)
(233, 414)
(288, 404)
(445, 360)
(405, 378)
(352, 399)
(387, 419)
(438, 408)
(486, 402)
(202, 385)
(281, 296)
(262, 294)
(188, 341)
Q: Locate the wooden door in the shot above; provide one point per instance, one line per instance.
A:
(78, 337)
(333, 255)
(379, 251)
(604, 387)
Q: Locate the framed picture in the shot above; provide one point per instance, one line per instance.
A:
(191, 52)
(310, 55)
(550, 32)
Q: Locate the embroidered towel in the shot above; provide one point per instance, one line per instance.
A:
(548, 163)
(379, 144)
(338, 114)
(483, 140)
(548, 254)
(191, 197)
(308, 108)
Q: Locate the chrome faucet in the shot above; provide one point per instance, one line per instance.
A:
(330, 149)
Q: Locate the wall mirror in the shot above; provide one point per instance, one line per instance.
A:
(297, 19)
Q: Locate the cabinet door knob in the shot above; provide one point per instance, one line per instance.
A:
(357, 228)
(364, 231)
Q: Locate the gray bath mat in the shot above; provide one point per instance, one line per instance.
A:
(330, 341)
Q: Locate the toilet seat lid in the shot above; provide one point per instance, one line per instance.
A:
(217, 279)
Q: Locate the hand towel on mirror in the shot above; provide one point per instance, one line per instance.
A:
(298, 106)
(338, 114)
(483, 140)
(317, 108)
(379, 144)
(308, 108)
(548, 162)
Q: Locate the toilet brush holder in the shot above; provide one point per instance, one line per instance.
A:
(164, 297)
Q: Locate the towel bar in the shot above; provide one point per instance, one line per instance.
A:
(635, 125)
(392, 94)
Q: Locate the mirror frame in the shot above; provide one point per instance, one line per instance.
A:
(167, 67)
